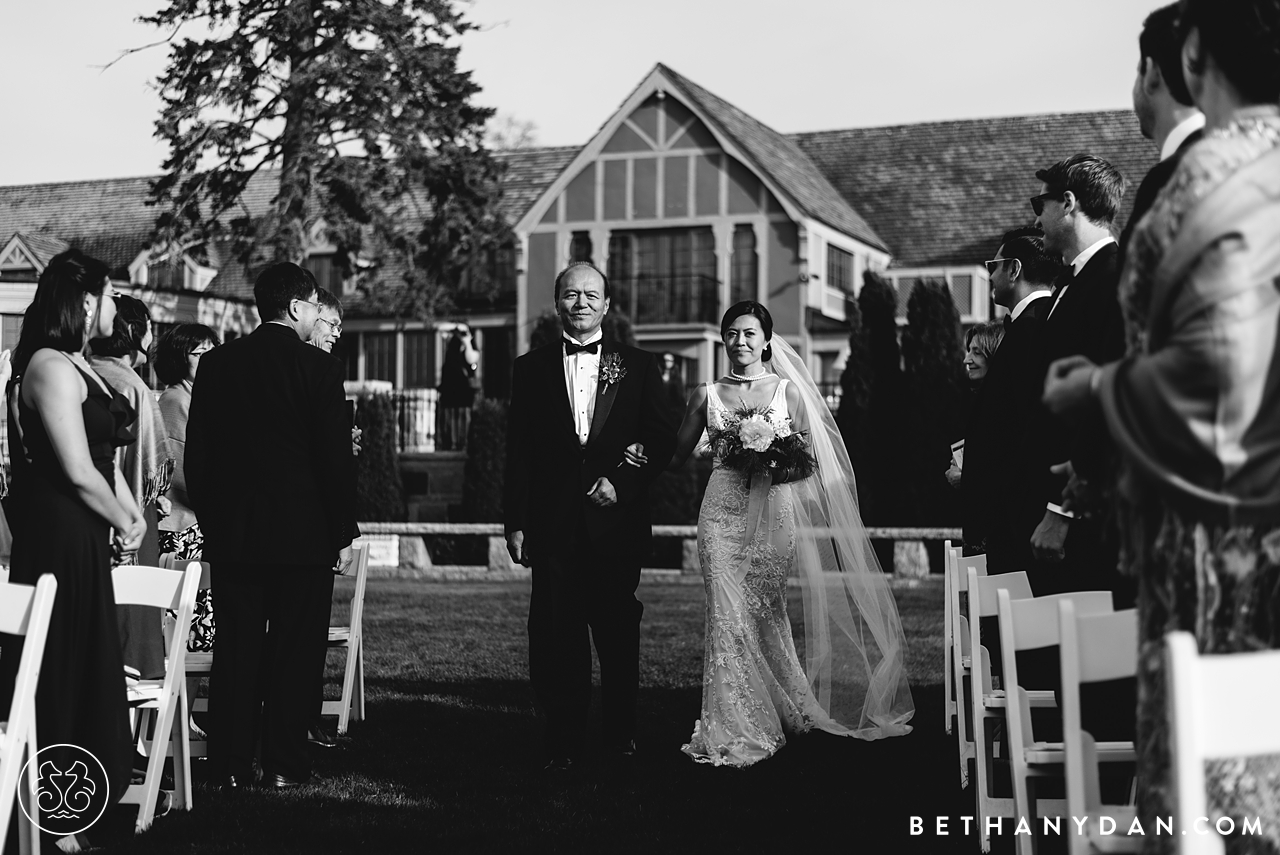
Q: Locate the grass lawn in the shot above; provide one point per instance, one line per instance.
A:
(448, 759)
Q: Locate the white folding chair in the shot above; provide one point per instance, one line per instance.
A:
(988, 703)
(197, 665)
(1032, 624)
(949, 555)
(957, 584)
(24, 610)
(351, 638)
(1220, 706)
(164, 714)
(1094, 648)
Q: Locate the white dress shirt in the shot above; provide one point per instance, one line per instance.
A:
(581, 376)
(1027, 301)
(1179, 134)
(1077, 264)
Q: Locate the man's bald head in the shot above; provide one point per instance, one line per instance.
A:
(581, 273)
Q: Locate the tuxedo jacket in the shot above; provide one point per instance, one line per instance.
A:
(1001, 480)
(269, 467)
(1087, 321)
(548, 472)
(1150, 188)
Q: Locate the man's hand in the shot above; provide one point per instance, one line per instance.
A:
(1066, 386)
(1048, 538)
(602, 493)
(515, 548)
(355, 440)
(344, 562)
(633, 455)
(953, 475)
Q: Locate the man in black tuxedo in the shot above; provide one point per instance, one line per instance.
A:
(579, 517)
(1163, 106)
(1079, 200)
(1002, 486)
(272, 481)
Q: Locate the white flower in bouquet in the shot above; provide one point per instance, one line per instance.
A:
(781, 424)
(756, 433)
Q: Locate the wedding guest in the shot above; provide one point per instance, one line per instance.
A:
(1166, 114)
(271, 478)
(1194, 406)
(459, 383)
(177, 360)
(69, 504)
(147, 464)
(672, 383)
(1081, 196)
(980, 343)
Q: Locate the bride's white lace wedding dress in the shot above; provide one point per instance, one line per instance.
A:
(754, 689)
(753, 536)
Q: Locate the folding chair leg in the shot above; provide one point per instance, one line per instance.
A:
(358, 698)
(180, 748)
(348, 684)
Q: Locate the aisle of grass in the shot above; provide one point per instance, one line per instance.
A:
(448, 759)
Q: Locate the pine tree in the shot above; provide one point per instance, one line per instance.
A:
(880, 480)
(854, 415)
(361, 108)
(932, 357)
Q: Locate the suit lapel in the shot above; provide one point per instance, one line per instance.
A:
(606, 393)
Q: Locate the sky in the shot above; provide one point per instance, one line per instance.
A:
(566, 65)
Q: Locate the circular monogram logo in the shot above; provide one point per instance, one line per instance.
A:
(72, 789)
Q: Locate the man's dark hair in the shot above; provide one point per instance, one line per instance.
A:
(55, 317)
(1160, 41)
(579, 265)
(129, 329)
(1098, 186)
(174, 347)
(279, 285)
(1027, 245)
(327, 301)
(1243, 37)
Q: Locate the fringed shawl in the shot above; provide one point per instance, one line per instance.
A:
(147, 463)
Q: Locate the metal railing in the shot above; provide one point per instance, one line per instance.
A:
(415, 419)
(647, 299)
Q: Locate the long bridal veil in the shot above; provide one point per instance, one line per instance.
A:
(855, 652)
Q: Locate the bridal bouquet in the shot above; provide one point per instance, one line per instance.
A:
(755, 440)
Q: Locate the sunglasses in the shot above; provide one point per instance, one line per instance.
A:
(1037, 202)
(994, 264)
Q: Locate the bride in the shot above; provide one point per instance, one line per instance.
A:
(753, 534)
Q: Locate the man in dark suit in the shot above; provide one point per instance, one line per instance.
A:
(1079, 200)
(1002, 487)
(579, 517)
(272, 480)
(1163, 106)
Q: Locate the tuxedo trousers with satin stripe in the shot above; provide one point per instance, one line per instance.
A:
(578, 597)
(268, 655)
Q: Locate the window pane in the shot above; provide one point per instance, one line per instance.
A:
(744, 271)
(419, 359)
(380, 356)
(840, 269)
(962, 292)
(580, 247)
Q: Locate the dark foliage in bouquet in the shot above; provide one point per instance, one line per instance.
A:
(749, 427)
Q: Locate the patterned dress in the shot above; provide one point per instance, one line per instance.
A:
(754, 689)
(1220, 582)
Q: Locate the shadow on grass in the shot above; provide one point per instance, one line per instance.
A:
(448, 760)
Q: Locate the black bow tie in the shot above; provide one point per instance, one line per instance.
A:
(570, 348)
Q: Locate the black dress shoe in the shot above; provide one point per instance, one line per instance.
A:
(281, 782)
(559, 764)
(317, 736)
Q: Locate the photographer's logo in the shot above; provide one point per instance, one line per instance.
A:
(72, 789)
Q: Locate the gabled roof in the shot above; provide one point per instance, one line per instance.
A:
(942, 193)
(530, 172)
(782, 159)
(43, 247)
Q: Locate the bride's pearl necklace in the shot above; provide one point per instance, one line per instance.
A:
(748, 378)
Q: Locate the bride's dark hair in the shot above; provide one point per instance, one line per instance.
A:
(757, 311)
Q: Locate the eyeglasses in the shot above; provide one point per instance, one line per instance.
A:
(1037, 202)
(335, 327)
(994, 264)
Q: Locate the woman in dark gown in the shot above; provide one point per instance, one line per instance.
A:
(67, 497)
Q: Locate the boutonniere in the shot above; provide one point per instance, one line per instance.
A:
(611, 369)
